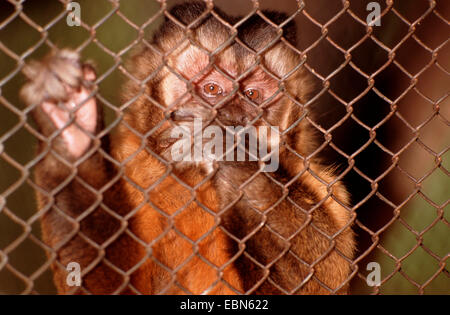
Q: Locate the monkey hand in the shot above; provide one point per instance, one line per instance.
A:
(61, 89)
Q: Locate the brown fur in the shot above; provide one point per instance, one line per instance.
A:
(167, 226)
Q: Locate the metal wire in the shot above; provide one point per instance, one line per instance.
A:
(303, 12)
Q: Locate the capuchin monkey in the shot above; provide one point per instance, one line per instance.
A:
(140, 221)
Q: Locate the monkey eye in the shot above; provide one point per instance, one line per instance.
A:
(212, 89)
(252, 94)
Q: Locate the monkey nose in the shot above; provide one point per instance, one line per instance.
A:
(182, 115)
(233, 116)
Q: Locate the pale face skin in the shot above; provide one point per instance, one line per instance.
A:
(226, 94)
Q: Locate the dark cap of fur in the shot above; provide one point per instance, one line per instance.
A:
(254, 31)
(257, 30)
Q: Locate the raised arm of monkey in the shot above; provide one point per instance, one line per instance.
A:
(139, 220)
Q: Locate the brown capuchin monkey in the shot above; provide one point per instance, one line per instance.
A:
(138, 219)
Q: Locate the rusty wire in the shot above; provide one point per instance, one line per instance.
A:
(302, 10)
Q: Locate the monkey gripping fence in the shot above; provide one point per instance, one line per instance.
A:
(302, 10)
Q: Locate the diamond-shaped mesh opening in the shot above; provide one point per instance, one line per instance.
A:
(358, 118)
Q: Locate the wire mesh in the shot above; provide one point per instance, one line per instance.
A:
(396, 185)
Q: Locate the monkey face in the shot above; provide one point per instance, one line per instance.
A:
(251, 78)
(226, 94)
(219, 94)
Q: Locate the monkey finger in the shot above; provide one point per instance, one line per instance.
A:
(86, 115)
(58, 116)
(89, 73)
(76, 140)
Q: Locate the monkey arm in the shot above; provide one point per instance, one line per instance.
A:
(79, 217)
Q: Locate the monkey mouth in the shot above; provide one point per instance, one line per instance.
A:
(190, 113)
(165, 143)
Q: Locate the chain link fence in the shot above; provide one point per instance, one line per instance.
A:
(381, 114)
